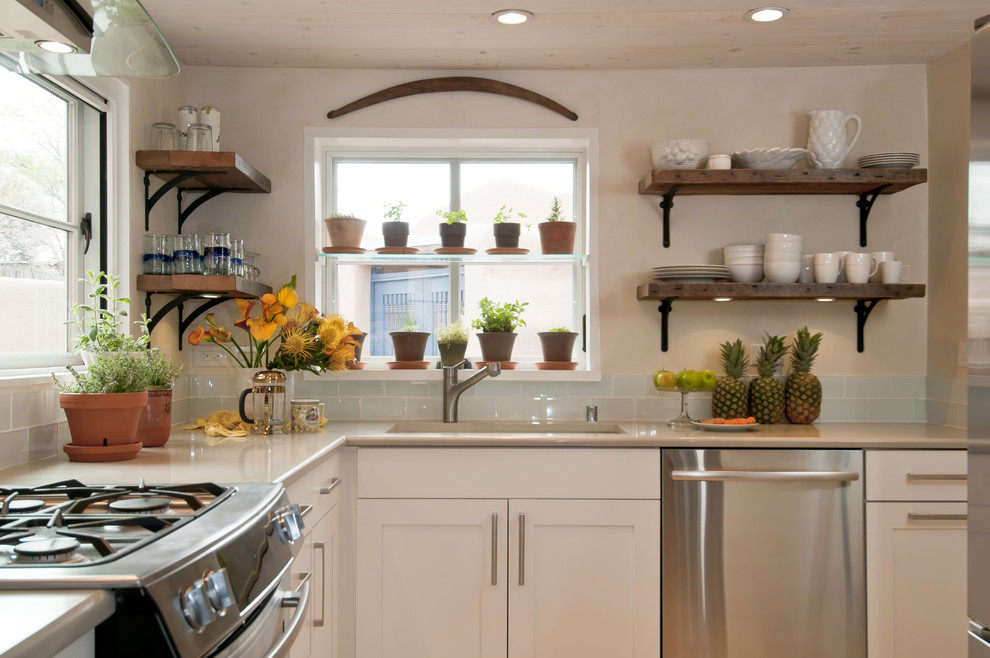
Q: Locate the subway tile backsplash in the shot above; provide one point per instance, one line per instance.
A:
(33, 427)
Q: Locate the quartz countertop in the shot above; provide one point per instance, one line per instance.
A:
(28, 619)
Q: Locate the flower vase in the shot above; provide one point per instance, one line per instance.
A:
(244, 377)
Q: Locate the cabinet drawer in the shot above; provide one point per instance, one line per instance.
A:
(316, 487)
(916, 475)
(632, 473)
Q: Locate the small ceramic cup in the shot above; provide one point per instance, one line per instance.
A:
(860, 267)
(880, 257)
(306, 415)
(826, 267)
(893, 271)
(719, 161)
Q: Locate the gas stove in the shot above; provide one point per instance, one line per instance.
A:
(195, 569)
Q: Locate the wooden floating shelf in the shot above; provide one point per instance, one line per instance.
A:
(687, 182)
(220, 170)
(196, 284)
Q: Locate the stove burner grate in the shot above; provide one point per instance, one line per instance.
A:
(143, 504)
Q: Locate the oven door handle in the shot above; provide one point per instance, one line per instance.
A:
(765, 476)
(300, 601)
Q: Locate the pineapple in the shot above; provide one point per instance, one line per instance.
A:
(766, 394)
(803, 391)
(729, 394)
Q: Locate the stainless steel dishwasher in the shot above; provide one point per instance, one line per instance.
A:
(763, 554)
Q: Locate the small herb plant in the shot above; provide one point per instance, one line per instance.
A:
(99, 328)
(162, 372)
(111, 372)
(505, 215)
(409, 324)
(499, 317)
(453, 216)
(555, 212)
(393, 211)
(343, 215)
(455, 332)
(563, 330)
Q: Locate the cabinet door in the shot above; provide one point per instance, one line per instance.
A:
(324, 589)
(302, 572)
(916, 580)
(431, 578)
(584, 578)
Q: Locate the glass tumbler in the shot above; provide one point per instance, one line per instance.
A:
(199, 137)
(237, 257)
(216, 254)
(164, 136)
(182, 255)
(154, 254)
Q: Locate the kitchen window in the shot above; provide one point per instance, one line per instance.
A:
(480, 175)
(51, 141)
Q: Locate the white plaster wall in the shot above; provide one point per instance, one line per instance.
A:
(265, 112)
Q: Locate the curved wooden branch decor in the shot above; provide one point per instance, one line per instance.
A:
(455, 83)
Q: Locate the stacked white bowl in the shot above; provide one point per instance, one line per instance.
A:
(782, 257)
(745, 262)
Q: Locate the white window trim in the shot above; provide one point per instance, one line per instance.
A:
(316, 140)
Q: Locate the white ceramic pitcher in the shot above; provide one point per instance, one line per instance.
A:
(827, 138)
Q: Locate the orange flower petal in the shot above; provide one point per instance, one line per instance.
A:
(196, 335)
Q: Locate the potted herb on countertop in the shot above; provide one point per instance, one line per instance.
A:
(497, 324)
(452, 341)
(556, 233)
(395, 232)
(155, 423)
(453, 229)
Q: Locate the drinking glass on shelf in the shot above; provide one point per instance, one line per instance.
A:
(182, 256)
(154, 254)
(216, 254)
(199, 137)
(164, 136)
(237, 257)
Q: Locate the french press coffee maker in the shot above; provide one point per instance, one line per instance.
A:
(267, 402)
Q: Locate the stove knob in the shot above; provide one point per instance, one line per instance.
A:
(217, 586)
(195, 606)
(287, 523)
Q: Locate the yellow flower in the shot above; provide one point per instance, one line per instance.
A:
(332, 330)
(261, 330)
(299, 345)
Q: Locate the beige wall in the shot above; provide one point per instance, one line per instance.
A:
(265, 112)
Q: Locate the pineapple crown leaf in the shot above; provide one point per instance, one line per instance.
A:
(734, 358)
(774, 349)
(804, 350)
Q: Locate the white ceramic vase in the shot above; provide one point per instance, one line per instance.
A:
(827, 138)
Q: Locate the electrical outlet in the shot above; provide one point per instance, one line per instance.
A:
(209, 355)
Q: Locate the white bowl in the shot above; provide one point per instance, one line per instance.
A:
(768, 158)
(746, 273)
(782, 272)
(774, 237)
(681, 154)
(783, 255)
(743, 260)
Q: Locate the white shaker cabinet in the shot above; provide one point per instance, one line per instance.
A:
(916, 553)
(508, 552)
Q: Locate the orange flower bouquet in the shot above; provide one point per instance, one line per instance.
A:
(287, 334)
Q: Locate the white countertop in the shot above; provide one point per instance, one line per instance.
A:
(34, 624)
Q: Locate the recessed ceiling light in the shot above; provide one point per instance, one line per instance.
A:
(766, 14)
(56, 47)
(512, 16)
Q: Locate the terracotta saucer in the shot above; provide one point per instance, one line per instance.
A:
(355, 365)
(397, 250)
(455, 251)
(506, 365)
(102, 453)
(343, 250)
(408, 365)
(506, 251)
(556, 365)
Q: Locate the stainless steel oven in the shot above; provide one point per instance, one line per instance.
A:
(197, 570)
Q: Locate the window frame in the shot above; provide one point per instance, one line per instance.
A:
(580, 145)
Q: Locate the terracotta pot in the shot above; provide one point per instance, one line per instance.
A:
(506, 235)
(156, 420)
(452, 235)
(103, 419)
(496, 345)
(557, 237)
(345, 231)
(409, 345)
(557, 345)
(396, 234)
(451, 353)
(359, 338)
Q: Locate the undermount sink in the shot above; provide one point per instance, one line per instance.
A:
(504, 427)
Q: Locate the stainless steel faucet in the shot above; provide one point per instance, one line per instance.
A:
(452, 390)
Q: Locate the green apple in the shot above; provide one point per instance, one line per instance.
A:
(692, 379)
(664, 379)
(708, 378)
(679, 380)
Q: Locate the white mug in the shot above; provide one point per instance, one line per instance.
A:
(719, 161)
(860, 267)
(880, 257)
(893, 271)
(826, 267)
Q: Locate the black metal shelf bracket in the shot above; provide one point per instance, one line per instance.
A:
(863, 308)
(177, 303)
(665, 205)
(196, 203)
(666, 306)
(151, 199)
(865, 205)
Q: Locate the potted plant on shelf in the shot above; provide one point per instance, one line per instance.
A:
(345, 230)
(507, 231)
(453, 229)
(497, 324)
(395, 232)
(556, 233)
(409, 343)
(155, 423)
(452, 340)
(558, 345)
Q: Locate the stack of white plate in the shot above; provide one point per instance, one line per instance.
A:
(889, 161)
(745, 262)
(692, 273)
(782, 258)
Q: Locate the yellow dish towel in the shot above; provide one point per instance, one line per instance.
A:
(221, 423)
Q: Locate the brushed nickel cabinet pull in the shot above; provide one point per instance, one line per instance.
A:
(306, 509)
(522, 550)
(935, 477)
(935, 517)
(323, 582)
(333, 485)
(494, 548)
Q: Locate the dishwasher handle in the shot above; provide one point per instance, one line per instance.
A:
(765, 476)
